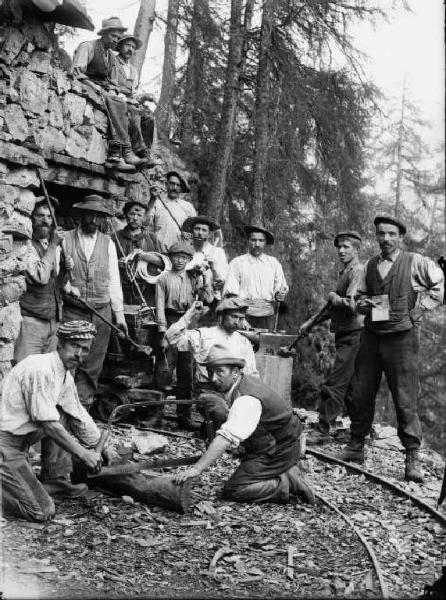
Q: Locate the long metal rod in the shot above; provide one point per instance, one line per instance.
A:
(365, 543)
(383, 481)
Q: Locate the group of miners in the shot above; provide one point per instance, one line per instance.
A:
(168, 257)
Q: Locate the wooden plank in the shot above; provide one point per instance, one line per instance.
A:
(276, 373)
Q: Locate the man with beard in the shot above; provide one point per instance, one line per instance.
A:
(264, 423)
(257, 278)
(169, 211)
(95, 278)
(40, 403)
(92, 64)
(40, 305)
(209, 259)
(397, 289)
(140, 243)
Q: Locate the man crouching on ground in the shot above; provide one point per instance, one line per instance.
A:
(265, 424)
(40, 402)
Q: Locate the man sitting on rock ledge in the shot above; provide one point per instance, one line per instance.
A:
(93, 63)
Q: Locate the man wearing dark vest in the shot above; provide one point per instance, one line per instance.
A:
(266, 426)
(40, 305)
(95, 278)
(93, 64)
(398, 287)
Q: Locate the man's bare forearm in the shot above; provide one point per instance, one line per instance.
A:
(218, 446)
(57, 431)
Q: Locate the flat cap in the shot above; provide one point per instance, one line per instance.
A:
(76, 330)
(94, 203)
(130, 38)
(190, 223)
(233, 303)
(181, 247)
(220, 355)
(348, 234)
(260, 228)
(390, 221)
(184, 187)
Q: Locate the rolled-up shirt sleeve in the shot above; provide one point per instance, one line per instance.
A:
(243, 418)
(83, 55)
(115, 290)
(428, 281)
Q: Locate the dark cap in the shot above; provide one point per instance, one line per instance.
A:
(260, 228)
(181, 247)
(233, 303)
(390, 221)
(220, 355)
(190, 223)
(128, 205)
(347, 234)
(184, 186)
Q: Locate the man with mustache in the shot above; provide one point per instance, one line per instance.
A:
(40, 403)
(398, 287)
(41, 304)
(95, 278)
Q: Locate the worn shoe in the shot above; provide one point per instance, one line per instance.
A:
(353, 452)
(119, 165)
(298, 486)
(62, 486)
(131, 159)
(413, 466)
(317, 437)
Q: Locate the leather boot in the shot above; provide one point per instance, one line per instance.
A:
(317, 436)
(131, 159)
(354, 451)
(62, 486)
(119, 165)
(413, 466)
(298, 486)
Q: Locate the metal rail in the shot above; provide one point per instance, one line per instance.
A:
(383, 481)
(365, 543)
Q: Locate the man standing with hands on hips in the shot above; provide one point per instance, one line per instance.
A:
(398, 287)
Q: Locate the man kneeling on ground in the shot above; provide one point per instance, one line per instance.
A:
(40, 402)
(266, 426)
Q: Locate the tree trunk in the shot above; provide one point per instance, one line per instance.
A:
(143, 29)
(163, 113)
(228, 114)
(192, 76)
(261, 134)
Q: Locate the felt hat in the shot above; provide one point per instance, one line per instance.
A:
(184, 187)
(190, 223)
(128, 37)
(181, 247)
(220, 355)
(390, 221)
(128, 205)
(111, 23)
(93, 203)
(76, 330)
(233, 303)
(347, 234)
(259, 227)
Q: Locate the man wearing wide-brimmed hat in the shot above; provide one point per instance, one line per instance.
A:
(346, 324)
(95, 278)
(93, 64)
(264, 424)
(209, 259)
(170, 210)
(398, 287)
(40, 403)
(257, 277)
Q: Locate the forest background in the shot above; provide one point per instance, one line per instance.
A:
(314, 116)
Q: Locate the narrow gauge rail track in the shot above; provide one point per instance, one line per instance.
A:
(374, 549)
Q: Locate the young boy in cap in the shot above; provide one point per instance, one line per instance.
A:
(257, 278)
(398, 287)
(346, 324)
(40, 402)
(176, 291)
(264, 423)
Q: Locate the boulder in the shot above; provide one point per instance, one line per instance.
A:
(25, 202)
(74, 108)
(15, 121)
(8, 197)
(55, 111)
(10, 319)
(22, 177)
(11, 289)
(76, 145)
(96, 146)
(50, 139)
(11, 41)
(33, 91)
(61, 81)
(19, 226)
(40, 62)
(20, 155)
(35, 31)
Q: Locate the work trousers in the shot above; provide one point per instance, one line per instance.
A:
(37, 336)
(395, 355)
(182, 364)
(338, 387)
(22, 494)
(260, 477)
(87, 374)
(125, 123)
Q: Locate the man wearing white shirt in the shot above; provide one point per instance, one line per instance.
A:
(95, 278)
(209, 259)
(266, 426)
(257, 278)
